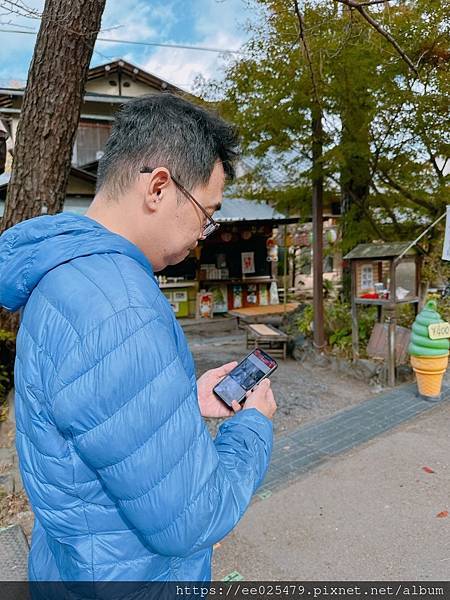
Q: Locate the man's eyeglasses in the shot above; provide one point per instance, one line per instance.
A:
(210, 225)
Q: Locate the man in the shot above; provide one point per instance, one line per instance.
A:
(123, 476)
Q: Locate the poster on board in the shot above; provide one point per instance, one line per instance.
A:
(248, 262)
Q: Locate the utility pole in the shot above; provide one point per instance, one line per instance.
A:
(317, 215)
(317, 187)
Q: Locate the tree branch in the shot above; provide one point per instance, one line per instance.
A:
(363, 207)
(301, 26)
(433, 161)
(406, 193)
(359, 6)
(356, 4)
(388, 209)
(370, 2)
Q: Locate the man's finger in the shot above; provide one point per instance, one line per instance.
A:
(263, 384)
(236, 406)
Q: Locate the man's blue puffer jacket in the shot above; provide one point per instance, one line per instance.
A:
(124, 478)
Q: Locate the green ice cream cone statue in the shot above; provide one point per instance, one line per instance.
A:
(429, 356)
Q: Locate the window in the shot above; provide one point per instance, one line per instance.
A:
(328, 264)
(405, 279)
(90, 142)
(367, 277)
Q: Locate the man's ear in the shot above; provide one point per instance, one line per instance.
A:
(157, 183)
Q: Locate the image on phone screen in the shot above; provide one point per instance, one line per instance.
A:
(245, 376)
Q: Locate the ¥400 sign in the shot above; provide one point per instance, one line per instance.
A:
(439, 331)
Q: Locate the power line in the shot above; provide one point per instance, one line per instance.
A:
(161, 45)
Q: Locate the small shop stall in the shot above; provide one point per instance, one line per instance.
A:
(233, 268)
(384, 275)
(181, 294)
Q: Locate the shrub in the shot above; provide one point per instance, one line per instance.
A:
(338, 325)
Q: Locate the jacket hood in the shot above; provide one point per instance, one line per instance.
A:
(31, 249)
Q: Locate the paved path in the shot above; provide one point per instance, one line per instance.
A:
(348, 499)
(313, 444)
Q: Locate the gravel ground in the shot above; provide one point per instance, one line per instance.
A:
(304, 391)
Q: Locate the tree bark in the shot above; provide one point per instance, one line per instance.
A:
(51, 108)
(50, 114)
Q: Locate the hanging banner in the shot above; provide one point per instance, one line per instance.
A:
(446, 250)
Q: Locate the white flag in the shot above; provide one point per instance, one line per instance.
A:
(446, 250)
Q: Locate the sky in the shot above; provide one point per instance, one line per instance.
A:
(209, 23)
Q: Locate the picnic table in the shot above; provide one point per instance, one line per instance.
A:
(268, 338)
(253, 314)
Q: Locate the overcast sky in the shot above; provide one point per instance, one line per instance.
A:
(213, 23)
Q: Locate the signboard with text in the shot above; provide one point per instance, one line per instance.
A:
(439, 331)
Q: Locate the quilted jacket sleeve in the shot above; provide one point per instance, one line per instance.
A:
(130, 410)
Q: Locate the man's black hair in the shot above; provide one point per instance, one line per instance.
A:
(164, 130)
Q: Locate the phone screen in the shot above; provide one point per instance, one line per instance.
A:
(245, 376)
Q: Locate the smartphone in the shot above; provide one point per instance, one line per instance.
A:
(245, 376)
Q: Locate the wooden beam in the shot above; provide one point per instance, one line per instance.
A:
(355, 326)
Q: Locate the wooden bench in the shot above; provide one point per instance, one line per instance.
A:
(268, 338)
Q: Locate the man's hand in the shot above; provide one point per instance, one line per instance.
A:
(262, 399)
(210, 405)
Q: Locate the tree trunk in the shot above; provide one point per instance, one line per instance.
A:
(51, 108)
(356, 108)
(355, 181)
(3, 151)
(50, 114)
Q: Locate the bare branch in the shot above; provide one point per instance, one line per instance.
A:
(11, 23)
(378, 27)
(20, 8)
